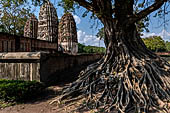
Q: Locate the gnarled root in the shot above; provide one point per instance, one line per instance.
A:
(124, 84)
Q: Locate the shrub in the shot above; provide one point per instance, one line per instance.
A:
(90, 49)
(18, 90)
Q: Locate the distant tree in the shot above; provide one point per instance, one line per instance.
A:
(80, 48)
(155, 43)
(13, 17)
(167, 45)
(101, 35)
(2, 28)
(90, 49)
(94, 49)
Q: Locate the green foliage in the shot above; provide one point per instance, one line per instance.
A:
(143, 25)
(167, 44)
(4, 104)
(2, 28)
(17, 90)
(90, 49)
(80, 48)
(100, 33)
(13, 16)
(68, 5)
(155, 43)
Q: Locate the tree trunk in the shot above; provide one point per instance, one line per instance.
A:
(129, 76)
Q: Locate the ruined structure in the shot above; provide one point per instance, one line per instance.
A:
(44, 34)
(31, 27)
(48, 23)
(14, 43)
(67, 37)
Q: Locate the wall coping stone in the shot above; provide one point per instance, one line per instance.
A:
(20, 55)
(35, 55)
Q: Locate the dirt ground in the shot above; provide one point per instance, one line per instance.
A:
(43, 105)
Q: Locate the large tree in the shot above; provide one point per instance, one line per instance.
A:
(129, 76)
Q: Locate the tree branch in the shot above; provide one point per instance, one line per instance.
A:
(85, 4)
(156, 5)
(101, 8)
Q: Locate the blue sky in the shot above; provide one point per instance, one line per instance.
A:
(87, 35)
(156, 27)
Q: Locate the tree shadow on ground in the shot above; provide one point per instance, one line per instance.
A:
(57, 82)
(67, 76)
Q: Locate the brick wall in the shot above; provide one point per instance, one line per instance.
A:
(14, 43)
(7, 43)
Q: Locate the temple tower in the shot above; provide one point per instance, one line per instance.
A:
(48, 23)
(67, 36)
(31, 27)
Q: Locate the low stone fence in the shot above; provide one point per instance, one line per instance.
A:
(42, 66)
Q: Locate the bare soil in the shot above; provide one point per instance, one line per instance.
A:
(44, 104)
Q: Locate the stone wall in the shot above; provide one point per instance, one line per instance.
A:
(42, 67)
(7, 42)
(14, 43)
(20, 66)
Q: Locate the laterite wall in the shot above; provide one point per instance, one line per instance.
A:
(41, 66)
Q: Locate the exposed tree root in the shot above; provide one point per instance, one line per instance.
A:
(129, 77)
(126, 83)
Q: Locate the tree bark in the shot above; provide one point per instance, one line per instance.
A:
(129, 76)
(128, 73)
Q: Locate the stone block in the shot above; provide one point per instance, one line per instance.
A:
(42, 66)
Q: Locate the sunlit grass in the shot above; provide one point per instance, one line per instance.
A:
(4, 104)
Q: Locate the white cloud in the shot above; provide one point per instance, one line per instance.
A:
(86, 39)
(77, 19)
(148, 34)
(164, 34)
(81, 35)
(59, 17)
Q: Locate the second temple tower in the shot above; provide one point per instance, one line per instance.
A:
(48, 23)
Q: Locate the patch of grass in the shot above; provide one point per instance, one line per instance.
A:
(4, 104)
(18, 90)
